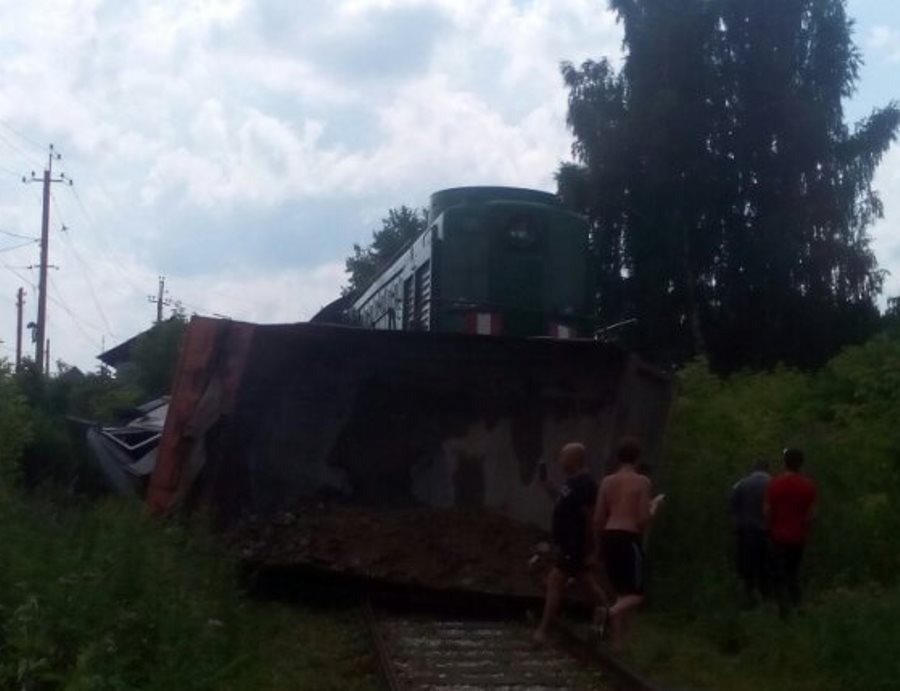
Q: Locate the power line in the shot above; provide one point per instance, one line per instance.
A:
(106, 246)
(56, 208)
(84, 210)
(17, 247)
(85, 272)
(19, 150)
(77, 321)
(18, 235)
(20, 135)
(59, 301)
(113, 254)
(21, 277)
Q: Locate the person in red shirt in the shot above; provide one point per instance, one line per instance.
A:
(789, 507)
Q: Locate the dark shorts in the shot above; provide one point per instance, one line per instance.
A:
(753, 557)
(623, 559)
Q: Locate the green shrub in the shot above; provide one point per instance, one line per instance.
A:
(105, 597)
(845, 418)
(16, 431)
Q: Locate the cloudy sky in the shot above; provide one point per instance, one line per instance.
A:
(240, 147)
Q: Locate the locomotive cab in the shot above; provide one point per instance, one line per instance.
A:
(493, 261)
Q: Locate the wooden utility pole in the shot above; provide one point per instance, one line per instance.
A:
(160, 296)
(47, 358)
(20, 304)
(41, 326)
(160, 299)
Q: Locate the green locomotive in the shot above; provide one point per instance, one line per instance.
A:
(493, 261)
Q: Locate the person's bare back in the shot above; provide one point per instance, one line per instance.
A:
(624, 502)
(620, 519)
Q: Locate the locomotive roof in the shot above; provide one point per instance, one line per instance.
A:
(454, 196)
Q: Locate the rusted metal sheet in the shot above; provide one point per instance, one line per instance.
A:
(391, 419)
(213, 356)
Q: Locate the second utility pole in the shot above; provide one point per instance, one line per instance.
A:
(160, 296)
(160, 299)
(20, 304)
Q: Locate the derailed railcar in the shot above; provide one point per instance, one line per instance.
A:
(263, 418)
(493, 261)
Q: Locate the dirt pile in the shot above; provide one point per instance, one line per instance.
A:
(441, 549)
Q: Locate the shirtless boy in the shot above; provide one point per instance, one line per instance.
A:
(622, 515)
(572, 534)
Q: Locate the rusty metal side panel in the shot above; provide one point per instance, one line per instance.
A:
(211, 362)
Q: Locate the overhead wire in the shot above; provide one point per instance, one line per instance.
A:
(21, 135)
(89, 217)
(101, 237)
(79, 322)
(76, 320)
(113, 254)
(14, 271)
(18, 247)
(85, 272)
(10, 171)
(34, 161)
(18, 235)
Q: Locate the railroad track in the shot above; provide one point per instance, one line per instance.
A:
(422, 652)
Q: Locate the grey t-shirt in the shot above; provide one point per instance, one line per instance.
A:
(747, 499)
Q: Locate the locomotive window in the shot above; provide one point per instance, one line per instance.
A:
(520, 232)
(423, 297)
(408, 303)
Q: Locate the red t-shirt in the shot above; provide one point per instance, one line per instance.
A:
(790, 497)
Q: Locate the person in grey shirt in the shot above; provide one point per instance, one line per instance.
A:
(752, 532)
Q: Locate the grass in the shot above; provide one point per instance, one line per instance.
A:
(842, 641)
(102, 597)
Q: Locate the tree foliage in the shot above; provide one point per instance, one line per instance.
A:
(151, 365)
(398, 228)
(16, 430)
(729, 200)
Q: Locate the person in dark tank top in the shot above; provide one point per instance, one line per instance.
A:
(572, 534)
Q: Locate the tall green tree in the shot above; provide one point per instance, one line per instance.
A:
(729, 199)
(398, 228)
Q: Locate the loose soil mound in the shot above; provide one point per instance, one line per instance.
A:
(439, 549)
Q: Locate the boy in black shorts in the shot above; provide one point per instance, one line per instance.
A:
(572, 533)
(624, 510)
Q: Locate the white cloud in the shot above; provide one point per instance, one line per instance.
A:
(288, 295)
(886, 233)
(885, 40)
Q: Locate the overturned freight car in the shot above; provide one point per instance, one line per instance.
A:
(265, 418)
